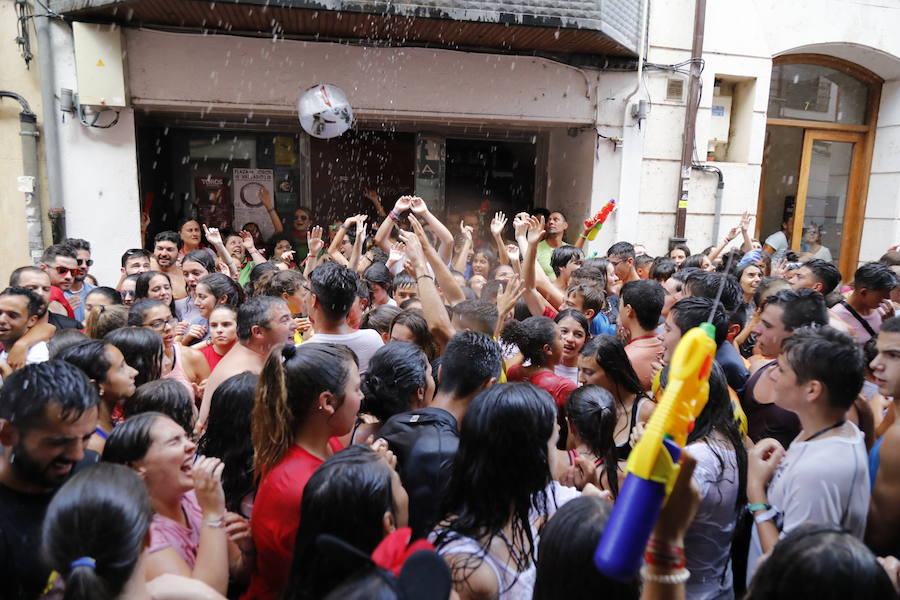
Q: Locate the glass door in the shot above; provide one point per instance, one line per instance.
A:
(828, 202)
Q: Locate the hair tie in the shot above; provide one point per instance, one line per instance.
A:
(287, 352)
(84, 561)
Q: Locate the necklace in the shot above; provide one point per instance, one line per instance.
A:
(823, 431)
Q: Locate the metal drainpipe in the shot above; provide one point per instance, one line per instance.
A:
(29, 134)
(690, 122)
(55, 206)
(720, 188)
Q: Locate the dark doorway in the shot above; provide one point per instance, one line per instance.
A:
(500, 173)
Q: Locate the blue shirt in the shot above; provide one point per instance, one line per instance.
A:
(83, 294)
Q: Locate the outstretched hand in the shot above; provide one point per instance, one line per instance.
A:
(498, 224)
(314, 241)
(536, 231)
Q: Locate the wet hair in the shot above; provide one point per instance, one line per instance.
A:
(202, 257)
(682, 247)
(133, 253)
(708, 283)
(591, 410)
(63, 338)
(34, 304)
(609, 353)
(813, 353)
(142, 287)
(378, 274)
(469, 361)
(107, 292)
(403, 280)
(362, 291)
(694, 260)
(562, 255)
(593, 296)
(103, 319)
(565, 566)
(165, 396)
(822, 562)
(102, 512)
(131, 439)
(335, 288)
(622, 249)
(357, 482)
(380, 318)
(506, 424)
(662, 268)
(90, 357)
(222, 286)
(397, 371)
(718, 417)
(256, 311)
(531, 335)
(142, 349)
(643, 261)
(589, 275)
(284, 282)
(259, 278)
(168, 236)
(801, 307)
(289, 385)
(28, 391)
(875, 276)
(227, 436)
(827, 274)
(646, 297)
(411, 303)
(479, 313)
(490, 290)
(51, 253)
(691, 311)
(488, 253)
(414, 320)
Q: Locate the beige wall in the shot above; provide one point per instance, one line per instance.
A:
(16, 78)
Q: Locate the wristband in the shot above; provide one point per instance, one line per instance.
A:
(393, 216)
(758, 506)
(426, 275)
(584, 237)
(215, 524)
(675, 578)
(766, 516)
(664, 561)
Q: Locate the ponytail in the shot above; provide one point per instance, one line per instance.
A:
(289, 385)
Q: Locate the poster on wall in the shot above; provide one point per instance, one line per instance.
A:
(213, 208)
(253, 197)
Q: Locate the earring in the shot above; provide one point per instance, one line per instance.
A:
(12, 457)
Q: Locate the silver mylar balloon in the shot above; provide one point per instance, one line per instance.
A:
(324, 111)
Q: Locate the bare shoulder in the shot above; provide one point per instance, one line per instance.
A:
(471, 580)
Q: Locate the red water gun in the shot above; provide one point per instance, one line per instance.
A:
(595, 223)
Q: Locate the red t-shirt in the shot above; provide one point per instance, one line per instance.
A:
(212, 357)
(58, 295)
(556, 386)
(275, 519)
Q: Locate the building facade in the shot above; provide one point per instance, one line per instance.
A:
(492, 106)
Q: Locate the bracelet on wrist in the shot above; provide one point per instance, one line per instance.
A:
(426, 275)
(679, 576)
(393, 216)
(214, 523)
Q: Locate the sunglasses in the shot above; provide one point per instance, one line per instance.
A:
(87, 262)
(63, 270)
(126, 293)
(301, 217)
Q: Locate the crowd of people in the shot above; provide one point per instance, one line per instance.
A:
(422, 414)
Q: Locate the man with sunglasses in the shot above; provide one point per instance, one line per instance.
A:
(299, 231)
(621, 256)
(79, 290)
(61, 263)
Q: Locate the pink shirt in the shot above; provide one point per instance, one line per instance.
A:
(642, 352)
(165, 533)
(856, 328)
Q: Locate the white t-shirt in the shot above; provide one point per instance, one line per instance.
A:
(570, 373)
(363, 342)
(38, 353)
(823, 482)
(778, 241)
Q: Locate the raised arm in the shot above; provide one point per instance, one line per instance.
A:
(433, 309)
(460, 263)
(383, 235)
(453, 294)
(506, 302)
(745, 232)
(314, 240)
(375, 199)
(356, 252)
(498, 223)
(215, 238)
(250, 247)
(732, 233)
(266, 200)
(420, 210)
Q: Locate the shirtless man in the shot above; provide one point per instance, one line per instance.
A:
(263, 322)
(166, 245)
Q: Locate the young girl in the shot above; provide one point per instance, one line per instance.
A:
(493, 513)
(399, 379)
(411, 326)
(222, 334)
(539, 342)
(216, 289)
(749, 276)
(603, 362)
(483, 261)
(143, 350)
(574, 331)
(196, 265)
(156, 285)
(591, 420)
(104, 364)
(380, 320)
(307, 396)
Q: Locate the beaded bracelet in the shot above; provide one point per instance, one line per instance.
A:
(664, 560)
(675, 578)
(393, 216)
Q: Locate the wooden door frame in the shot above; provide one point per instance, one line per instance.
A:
(862, 155)
(846, 258)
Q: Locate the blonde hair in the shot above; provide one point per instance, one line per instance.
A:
(103, 319)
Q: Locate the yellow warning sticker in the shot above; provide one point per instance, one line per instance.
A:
(682, 204)
(100, 63)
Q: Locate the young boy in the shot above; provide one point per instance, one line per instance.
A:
(404, 287)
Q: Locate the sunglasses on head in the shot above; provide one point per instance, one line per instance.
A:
(64, 270)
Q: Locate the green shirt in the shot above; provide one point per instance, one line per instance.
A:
(544, 251)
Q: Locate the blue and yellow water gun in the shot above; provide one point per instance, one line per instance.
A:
(653, 464)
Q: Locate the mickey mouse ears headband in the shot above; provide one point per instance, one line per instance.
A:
(415, 570)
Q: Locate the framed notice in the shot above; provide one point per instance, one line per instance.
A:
(213, 207)
(253, 196)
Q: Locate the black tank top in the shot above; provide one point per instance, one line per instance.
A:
(767, 420)
(623, 450)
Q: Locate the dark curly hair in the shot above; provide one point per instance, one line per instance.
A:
(396, 372)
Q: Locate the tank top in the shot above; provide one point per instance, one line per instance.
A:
(768, 420)
(511, 585)
(177, 373)
(624, 449)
